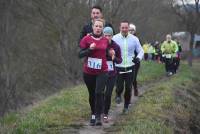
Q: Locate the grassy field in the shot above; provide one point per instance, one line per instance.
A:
(57, 111)
(170, 106)
(150, 71)
(70, 105)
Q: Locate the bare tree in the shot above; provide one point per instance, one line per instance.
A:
(38, 42)
(189, 15)
(7, 42)
(38, 45)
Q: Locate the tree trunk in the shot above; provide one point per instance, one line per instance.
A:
(190, 55)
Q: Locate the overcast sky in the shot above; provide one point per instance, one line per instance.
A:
(187, 1)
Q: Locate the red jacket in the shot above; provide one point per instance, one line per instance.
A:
(95, 61)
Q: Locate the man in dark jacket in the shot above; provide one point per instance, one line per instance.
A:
(96, 12)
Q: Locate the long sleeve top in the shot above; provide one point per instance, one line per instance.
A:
(118, 59)
(169, 48)
(95, 60)
(128, 45)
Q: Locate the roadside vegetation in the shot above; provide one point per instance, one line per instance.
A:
(62, 109)
(170, 105)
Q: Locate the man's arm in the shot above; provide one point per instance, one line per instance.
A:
(82, 34)
(139, 49)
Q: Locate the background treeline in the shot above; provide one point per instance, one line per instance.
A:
(39, 41)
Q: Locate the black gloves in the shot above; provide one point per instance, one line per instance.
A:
(136, 60)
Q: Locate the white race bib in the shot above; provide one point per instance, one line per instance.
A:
(110, 65)
(168, 56)
(94, 63)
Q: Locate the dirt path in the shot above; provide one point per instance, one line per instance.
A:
(84, 128)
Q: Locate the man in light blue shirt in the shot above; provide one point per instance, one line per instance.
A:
(128, 44)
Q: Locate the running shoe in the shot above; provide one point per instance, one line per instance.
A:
(98, 122)
(105, 119)
(125, 111)
(118, 99)
(92, 120)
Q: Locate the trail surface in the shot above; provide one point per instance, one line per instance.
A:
(83, 127)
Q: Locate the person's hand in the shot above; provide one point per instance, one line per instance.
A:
(113, 57)
(111, 52)
(92, 46)
(136, 60)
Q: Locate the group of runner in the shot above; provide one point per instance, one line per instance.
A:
(109, 59)
(167, 52)
(112, 59)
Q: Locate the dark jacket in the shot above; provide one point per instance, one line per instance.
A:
(118, 58)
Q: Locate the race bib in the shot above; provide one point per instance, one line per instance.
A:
(110, 65)
(168, 56)
(94, 63)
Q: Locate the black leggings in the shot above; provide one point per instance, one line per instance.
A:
(145, 56)
(169, 65)
(127, 79)
(137, 66)
(176, 63)
(108, 93)
(96, 85)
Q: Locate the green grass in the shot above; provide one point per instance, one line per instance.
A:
(57, 111)
(62, 109)
(156, 111)
(150, 71)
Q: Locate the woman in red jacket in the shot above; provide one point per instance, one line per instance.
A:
(93, 48)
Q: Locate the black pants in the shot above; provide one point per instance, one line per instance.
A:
(96, 86)
(157, 57)
(136, 69)
(125, 79)
(169, 65)
(145, 56)
(176, 63)
(153, 56)
(162, 58)
(108, 93)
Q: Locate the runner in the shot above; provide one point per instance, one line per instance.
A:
(93, 48)
(146, 48)
(132, 30)
(96, 13)
(128, 44)
(157, 52)
(178, 56)
(169, 49)
(114, 56)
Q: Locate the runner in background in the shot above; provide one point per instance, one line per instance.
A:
(96, 13)
(145, 47)
(157, 51)
(132, 30)
(169, 49)
(178, 56)
(114, 56)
